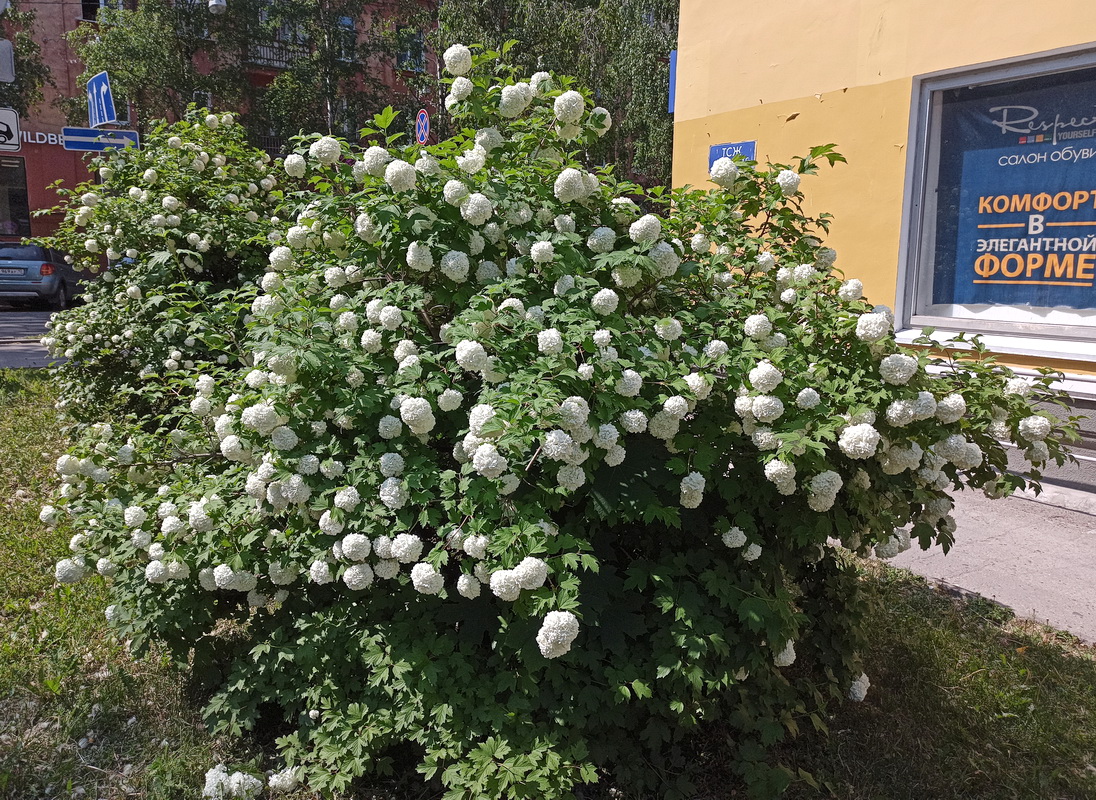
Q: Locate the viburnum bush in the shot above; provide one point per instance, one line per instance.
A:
(182, 224)
(510, 468)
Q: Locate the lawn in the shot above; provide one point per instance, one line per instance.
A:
(966, 701)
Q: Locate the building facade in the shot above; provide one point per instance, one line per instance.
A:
(968, 203)
(28, 171)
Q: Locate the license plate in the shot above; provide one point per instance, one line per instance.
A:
(11, 271)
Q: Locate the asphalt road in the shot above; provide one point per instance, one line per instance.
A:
(19, 335)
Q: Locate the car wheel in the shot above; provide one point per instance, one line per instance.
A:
(60, 299)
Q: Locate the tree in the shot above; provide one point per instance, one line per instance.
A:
(288, 65)
(31, 73)
(154, 54)
(621, 46)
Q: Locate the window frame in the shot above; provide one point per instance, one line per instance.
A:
(915, 267)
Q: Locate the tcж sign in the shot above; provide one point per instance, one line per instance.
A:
(10, 137)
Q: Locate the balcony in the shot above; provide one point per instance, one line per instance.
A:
(279, 55)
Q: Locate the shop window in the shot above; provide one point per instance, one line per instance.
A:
(14, 202)
(1000, 223)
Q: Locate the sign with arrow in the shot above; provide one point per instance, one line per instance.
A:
(100, 101)
(90, 139)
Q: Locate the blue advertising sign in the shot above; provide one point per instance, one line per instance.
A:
(89, 139)
(422, 126)
(1016, 198)
(100, 101)
(748, 151)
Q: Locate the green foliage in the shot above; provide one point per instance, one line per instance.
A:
(623, 49)
(320, 62)
(185, 239)
(491, 465)
(31, 72)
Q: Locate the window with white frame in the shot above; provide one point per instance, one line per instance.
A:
(1001, 205)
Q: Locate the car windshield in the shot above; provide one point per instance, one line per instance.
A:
(21, 252)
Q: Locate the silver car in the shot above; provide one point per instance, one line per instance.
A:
(33, 274)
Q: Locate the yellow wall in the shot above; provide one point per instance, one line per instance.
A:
(795, 73)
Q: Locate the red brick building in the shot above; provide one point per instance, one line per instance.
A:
(41, 159)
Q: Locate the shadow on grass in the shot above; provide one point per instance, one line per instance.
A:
(966, 702)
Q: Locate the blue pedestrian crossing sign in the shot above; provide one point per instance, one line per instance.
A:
(100, 101)
(89, 139)
(422, 126)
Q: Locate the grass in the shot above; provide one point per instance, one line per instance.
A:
(78, 717)
(966, 701)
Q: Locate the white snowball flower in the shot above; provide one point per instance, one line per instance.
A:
(400, 175)
(767, 408)
(393, 494)
(374, 161)
(531, 573)
(734, 537)
(571, 477)
(471, 356)
(326, 150)
(807, 398)
(405, 548)
(458, 60)
(788, 182)
(633, 421)
(872, 327)
(391, 318)
(724, 172)
(570, 185)
(319, 572)
(426, 579)
(757, 326)
(605, 302)
(602, 240)
(1035, 428)
(851, 290)
(1019, 385)
(473, 160)
(858, 690)
(468, 587)
(550, 342)
(488, 462)
(765, 377)
(558, 631)
(645, 230)
(283, 781)
(542, 252)
(389, 427)
(951, 408)
(70, 570)
(476, 209)
(281, 258)
(602, 119)
(569, 107)
(505, 585)
(897, 369)
(859, 441)
(358, 576)
(461, 88)
(515, 99)
(786, 657)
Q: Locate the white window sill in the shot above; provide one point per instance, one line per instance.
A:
(1076, 385)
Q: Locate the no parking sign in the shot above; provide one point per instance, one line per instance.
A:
(422, 126)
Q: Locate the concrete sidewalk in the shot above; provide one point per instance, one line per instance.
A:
(1037, 559)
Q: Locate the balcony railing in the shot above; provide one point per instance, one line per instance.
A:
(278, 56)
(274, 145)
